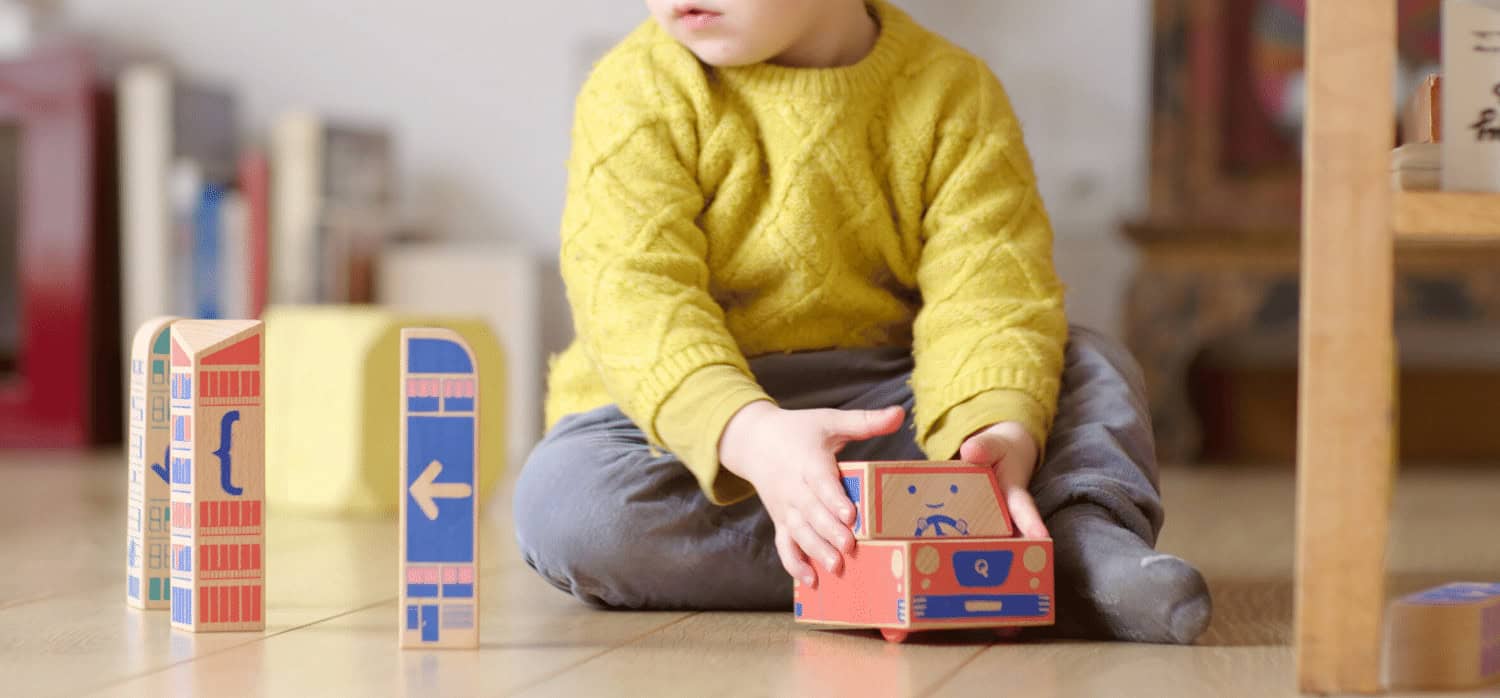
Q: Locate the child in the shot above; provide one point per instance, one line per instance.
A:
(803, 231)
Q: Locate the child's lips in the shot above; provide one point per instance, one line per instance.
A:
(696, 17)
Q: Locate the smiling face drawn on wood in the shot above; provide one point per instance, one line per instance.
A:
(940, 504)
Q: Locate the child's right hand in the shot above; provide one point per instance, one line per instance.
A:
(790, 456)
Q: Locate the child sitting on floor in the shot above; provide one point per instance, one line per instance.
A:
(803, 231)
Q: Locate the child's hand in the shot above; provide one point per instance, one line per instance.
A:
(1012, 452)
(790, 456)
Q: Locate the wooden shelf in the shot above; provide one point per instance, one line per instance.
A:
(1449, 215)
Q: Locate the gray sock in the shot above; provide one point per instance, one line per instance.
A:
(1111, 585)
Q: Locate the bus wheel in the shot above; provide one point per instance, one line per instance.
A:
(1007, 634)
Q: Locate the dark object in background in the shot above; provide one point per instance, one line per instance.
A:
(60, 386)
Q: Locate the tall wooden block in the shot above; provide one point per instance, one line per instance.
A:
(923, 499)
(439, 575)
(218, 476)
(330, 445)
(148, 574)
(1447, 638)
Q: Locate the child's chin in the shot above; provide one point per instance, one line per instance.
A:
(721, 54)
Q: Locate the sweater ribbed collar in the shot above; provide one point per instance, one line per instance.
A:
(897, 32)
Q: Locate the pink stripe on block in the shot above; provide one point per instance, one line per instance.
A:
(466, 575)
(421, 575)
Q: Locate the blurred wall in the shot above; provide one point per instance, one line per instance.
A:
(479, 94)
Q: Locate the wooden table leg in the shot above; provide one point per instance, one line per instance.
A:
(1346, 380)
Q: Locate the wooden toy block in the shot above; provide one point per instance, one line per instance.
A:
(218, 476)
(936, 551)
(1444, 638)
(903, 586)
(924, 499)
(148, 576)
(439, 435)
(330, 445)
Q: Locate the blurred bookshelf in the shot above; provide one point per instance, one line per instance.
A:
(131, 186)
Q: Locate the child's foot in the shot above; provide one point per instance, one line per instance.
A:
(1111, 585)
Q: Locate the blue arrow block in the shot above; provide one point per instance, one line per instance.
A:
(449, 441)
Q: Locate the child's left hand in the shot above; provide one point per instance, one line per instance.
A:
(1012, 452)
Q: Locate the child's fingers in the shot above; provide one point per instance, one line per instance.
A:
(859, 425)
(1023, 512)
(811, 543)
(983, 448)
(828, 527)
(834, 497)
(793, 560)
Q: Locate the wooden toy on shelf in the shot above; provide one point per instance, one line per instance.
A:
(439, 428)
(936, 550)
(1444, 638)
(330, 448)
(148, 576)
(218, 476)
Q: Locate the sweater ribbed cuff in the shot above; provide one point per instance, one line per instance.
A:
(663, 379)
(981, 412)
(692, 423)
(931, 411)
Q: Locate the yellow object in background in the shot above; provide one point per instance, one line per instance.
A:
(333, 386)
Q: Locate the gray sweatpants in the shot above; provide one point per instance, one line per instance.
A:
(603, 518)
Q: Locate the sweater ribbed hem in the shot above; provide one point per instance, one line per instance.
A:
(898, 32)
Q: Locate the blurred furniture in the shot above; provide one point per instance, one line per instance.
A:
(62, 387)
(1217, 279)
(1353, 227)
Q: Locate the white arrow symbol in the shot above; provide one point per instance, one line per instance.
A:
(424, 490)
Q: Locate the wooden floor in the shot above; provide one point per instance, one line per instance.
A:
(65, 630)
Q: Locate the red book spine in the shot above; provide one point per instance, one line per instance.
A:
(255, 182)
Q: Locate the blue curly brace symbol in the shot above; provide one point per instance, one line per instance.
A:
(226, 444)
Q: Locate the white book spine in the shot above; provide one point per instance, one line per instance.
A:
(1471, 95)
(296, 189)
(145, 135)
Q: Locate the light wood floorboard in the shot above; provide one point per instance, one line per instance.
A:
(331, 630)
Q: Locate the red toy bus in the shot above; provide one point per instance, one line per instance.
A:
(936, 550)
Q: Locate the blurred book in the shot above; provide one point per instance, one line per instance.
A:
(255, 190)
(333, 207)
(10, 243)
(1417, 167)
(177, 139)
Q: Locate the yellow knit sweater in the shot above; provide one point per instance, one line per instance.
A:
(717, 214)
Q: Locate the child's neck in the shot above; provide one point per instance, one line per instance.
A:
(843, 36)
